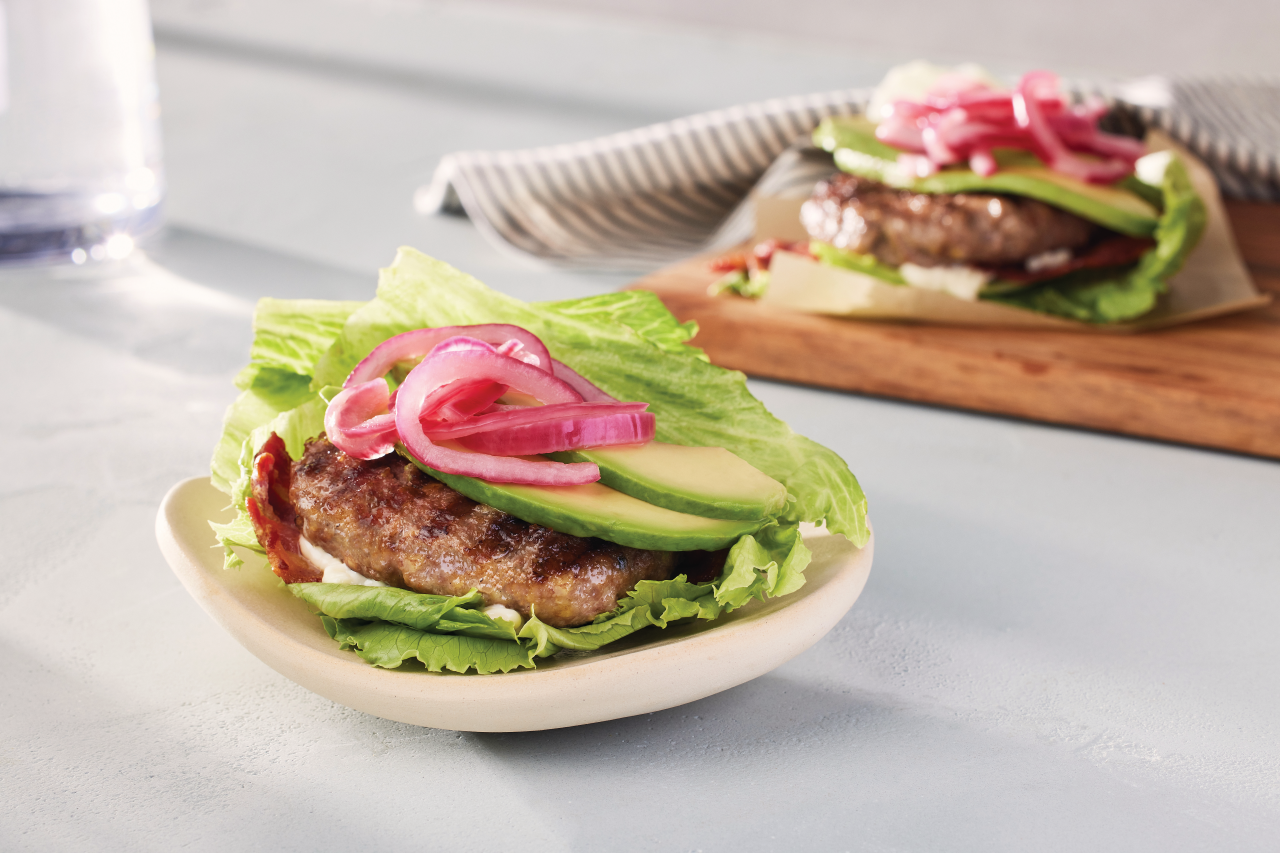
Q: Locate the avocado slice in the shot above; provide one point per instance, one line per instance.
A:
(706, 481)
(853, 143)
(595, 509)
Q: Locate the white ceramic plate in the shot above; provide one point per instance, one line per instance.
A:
(649, 671)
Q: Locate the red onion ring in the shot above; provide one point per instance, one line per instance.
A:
(359, 422)
(566, 434)
(458, 401)
(1029, 114)
(446, 367)
(515, 416)
(452, 393)
(589, 392)
(419, 342)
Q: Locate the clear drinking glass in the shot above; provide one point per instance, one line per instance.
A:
(80, 169)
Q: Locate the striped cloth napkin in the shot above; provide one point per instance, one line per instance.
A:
(658, 194)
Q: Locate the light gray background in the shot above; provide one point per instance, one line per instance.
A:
(1079, 37)
(1069, 641)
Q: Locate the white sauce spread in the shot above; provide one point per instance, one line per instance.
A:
(961, 282)
(335, 571)
(506, 614)
(1048, 260)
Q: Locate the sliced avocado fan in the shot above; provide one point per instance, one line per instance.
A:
(596, 510)
(706, 481)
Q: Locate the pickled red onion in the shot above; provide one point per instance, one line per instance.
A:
(555, 436)
(452, 394)
(459, 400)
(957, 123)
(359, 421)
(589, 392)
(1030, 115)
(419, 342)
(443, 368)
(518, 416)
(462, 343)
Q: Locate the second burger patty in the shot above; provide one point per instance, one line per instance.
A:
(389, 521)
(900, 226)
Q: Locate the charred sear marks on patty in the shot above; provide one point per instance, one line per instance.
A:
(975, 229)
(389, 521)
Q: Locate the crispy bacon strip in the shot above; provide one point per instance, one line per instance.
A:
(274, 518)
(1116, 251)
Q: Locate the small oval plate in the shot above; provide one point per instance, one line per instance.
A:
(650, 671)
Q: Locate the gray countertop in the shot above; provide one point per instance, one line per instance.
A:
(1069, 641)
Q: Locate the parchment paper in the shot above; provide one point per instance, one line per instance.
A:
(1214, 280)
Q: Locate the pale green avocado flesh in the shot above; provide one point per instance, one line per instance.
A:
(856, 150)
(596, 510)
(706, 481)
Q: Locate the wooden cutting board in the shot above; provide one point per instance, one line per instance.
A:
(1215, 383)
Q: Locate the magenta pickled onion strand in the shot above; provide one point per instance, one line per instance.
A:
(419, 342)
(980, 134)
(581, 384)
(516, 350)
(501, 469)
(522, 415)
(358, 420)
(459, 400)
(462, 343)
(512, 348)
(902, 133)
(380, 425)
(571, 434)
(935, 149)
(499, 407)
(1081, 135)
(962, 120)
(444, 368)
(1029, 114)
(479, 398)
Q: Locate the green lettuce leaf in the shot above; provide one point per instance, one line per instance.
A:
(657, 603)
(637, 356)
(290, 335)
(386, 626)
(388, 645)
(388, 603)
(295, 426)
(770, 563)
(1094, 297)
(855, 261)
(750, 285)
(639, 310)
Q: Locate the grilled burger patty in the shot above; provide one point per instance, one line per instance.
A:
(389, 521)
(899, 226)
